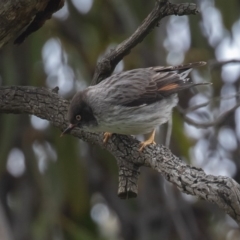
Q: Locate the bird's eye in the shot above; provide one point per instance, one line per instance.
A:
(78, 117)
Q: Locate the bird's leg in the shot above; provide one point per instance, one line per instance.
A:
(149, 141)
(106, 137)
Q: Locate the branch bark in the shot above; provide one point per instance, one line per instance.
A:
(24, 17)
(162, 9)
(46, 104)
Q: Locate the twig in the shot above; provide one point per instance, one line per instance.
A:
(215, 99)
(162, 9)
(216, 122)
(213, 64)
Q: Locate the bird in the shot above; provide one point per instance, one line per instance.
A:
(131, 102)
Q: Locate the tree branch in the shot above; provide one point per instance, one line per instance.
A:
(24, 17)
(46, 104)
(162, 9)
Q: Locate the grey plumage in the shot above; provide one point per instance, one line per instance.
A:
(131, 102)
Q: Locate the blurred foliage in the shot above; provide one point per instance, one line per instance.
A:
(64, 188)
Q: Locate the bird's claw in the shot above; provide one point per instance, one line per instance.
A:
(106, 137)
(146, 143)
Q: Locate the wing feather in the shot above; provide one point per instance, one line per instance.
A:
(145, 85)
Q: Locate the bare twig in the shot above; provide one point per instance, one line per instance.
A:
(216, 122)
(213, 64)
(162, 9)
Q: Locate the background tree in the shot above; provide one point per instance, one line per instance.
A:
(64, 188)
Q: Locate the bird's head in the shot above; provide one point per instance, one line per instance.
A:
(80, 114)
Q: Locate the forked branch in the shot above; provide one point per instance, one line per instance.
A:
(162, 9)
(41, 102)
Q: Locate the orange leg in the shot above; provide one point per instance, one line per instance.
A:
(106, 137)
(149, 141)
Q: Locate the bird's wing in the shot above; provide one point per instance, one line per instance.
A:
(145, 85)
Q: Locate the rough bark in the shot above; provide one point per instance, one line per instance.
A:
(46, 104)
(24, 17)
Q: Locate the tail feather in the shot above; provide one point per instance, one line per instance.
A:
(178, 87)
(160, 82)
(173, 79)
(179, 67)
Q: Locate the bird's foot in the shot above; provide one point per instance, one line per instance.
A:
(148, 142)
(106, 137)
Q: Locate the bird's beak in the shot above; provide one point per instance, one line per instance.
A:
(68, 129)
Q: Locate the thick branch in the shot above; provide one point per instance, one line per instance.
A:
(162, 9)
(222, 191)
(24, 17)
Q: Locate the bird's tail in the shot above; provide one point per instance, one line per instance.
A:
(173, 79)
